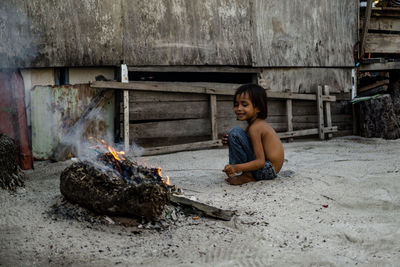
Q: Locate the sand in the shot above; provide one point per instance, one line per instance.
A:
(336, 203)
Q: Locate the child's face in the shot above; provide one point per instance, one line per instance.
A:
(244, 108)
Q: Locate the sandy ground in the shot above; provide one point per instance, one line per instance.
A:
(340, 207)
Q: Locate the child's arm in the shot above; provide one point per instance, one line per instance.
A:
(256, 139)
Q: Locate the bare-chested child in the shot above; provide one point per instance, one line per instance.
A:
(256, 153)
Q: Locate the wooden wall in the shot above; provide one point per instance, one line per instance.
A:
(267, 33)
(160, 118)
(304, 33)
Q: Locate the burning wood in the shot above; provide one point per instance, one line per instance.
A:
(115, 185)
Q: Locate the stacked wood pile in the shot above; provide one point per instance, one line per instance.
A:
(379, 114)
(10, 173)
(379, 87)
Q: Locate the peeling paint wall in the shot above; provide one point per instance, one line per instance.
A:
(55, 109)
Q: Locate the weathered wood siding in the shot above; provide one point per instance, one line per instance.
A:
(311, 33)
(306, 80)
(270, 33)
(187, 32)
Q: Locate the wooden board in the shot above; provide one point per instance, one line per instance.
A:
(385, 24)
(198, 88)
(304, 80)
(298, 33)
(181, 32)
(382, 43)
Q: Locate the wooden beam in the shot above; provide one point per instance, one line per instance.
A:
(364, 32)
(198, 88)
(213, 115)
(328, 117)
(306, 132)
(380, 66)
(370, 86)
(126, 120)
(382, 43)
(222, 69)
(320, 109)
(289, 116)
(211, 211)
(385, 24)
(181, 147)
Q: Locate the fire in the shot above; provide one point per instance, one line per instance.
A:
(118, 155)
(162, 178)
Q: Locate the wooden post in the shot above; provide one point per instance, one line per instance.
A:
(320, 108)
(365, 26)
(289, 115)
(213, 112)
(125, 79)
(328, 111)
(126, 120)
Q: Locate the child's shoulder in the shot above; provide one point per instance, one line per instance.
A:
(261, 126)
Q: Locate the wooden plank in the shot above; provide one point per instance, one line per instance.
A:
(289, 116)
(376, 84)
(197, 88)
(328, 117)
(126, 120)
(385, 24)
(380, 66)
(374, 91)
(213, 117)
(320, 110)
(182, 147)
(306, 132)
(364, 32)
(283, 37)
(218, 69)
(225, 215)
(382, 43)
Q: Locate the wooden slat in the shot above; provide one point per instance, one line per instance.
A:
(213, 117)
(219, 69)
(382, 43)
(380, 66)
(306, 132)
(198, 88)
(320, 110)
(364, 32)
(126, 120)
(328, 117)
(289, 116)
(182, 147)
(376, 84)
(385, 24)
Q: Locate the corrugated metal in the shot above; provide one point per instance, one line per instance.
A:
(13, 116)
(54, 110)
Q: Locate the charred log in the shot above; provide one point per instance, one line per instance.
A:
(10, 173)
(126, 189)
(378, 118)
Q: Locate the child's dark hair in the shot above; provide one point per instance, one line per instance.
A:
(257, 96)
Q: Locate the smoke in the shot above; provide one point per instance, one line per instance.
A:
(88, 148)
(19, 42)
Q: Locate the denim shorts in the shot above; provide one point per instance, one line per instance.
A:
(265, 173)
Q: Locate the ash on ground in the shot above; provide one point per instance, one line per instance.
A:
(172, 215)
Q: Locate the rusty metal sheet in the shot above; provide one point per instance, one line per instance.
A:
(55, 109)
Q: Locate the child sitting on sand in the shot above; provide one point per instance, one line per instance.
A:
(256, 153)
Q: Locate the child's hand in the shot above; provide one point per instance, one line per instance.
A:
(225, 139)
(230, 170)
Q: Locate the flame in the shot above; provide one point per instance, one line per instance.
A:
(162, 178)
(118, 155)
